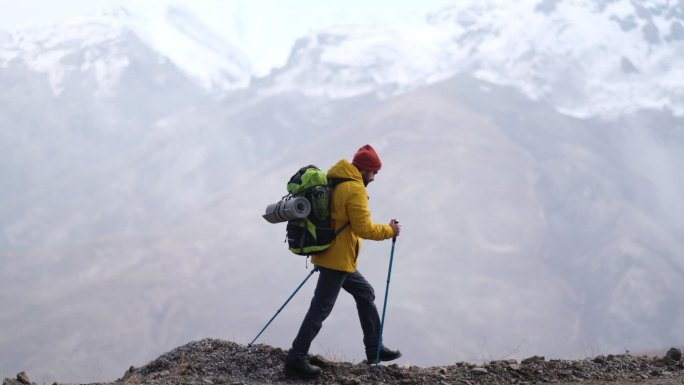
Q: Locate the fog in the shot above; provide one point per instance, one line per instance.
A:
(131, 224)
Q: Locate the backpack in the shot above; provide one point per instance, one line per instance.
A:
(313, 234)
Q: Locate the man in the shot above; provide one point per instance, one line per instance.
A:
(337, 265)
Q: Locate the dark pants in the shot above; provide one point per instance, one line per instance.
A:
(328, 287)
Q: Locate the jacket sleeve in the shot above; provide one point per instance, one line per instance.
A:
(360, 217)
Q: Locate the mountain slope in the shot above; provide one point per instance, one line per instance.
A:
(132, 195)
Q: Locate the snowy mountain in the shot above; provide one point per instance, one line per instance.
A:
(91, 45)
(585, 58)
(535, 172)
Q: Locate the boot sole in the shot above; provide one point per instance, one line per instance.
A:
(373, 362)
(305, 376)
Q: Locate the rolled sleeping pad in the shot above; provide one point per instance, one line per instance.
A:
(286, 210)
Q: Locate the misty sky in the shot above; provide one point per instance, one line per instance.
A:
(265, 37)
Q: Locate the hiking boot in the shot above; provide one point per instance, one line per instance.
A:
(301, 369)
(385, 355)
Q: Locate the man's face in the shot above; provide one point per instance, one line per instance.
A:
(368, 176)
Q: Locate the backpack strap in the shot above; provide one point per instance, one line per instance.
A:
(342, 228)
(332, 182)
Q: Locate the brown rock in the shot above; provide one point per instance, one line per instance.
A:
(318, 360)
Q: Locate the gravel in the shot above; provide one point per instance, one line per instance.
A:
(214, 362)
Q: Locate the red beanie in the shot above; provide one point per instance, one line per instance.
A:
(367, 159)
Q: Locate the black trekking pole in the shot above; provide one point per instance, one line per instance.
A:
(315, 269)
(384, 307)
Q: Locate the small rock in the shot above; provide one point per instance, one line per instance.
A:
(533, 359)
(674, 354)
(350, 381)
(359, 370)
(498, 362)
(599, 360)
(442, 370)
(512, 361)
(479, 371)
(318, 360)
(515, 367)
(207, 381)
(23, 378)
(163, 373)
(11, 381)
(669, 362)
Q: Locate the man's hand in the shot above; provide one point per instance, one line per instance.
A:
(396, 226)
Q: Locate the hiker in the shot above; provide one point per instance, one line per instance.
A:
(337, 264)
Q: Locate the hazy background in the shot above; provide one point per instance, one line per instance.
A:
(530, 149)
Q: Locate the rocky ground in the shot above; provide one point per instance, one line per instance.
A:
(212, 361)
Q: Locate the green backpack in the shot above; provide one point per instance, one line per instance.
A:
(313, 234)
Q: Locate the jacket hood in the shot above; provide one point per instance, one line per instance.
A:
(344, 169)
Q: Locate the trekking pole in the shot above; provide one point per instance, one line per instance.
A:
(315, 269)
(384, 307)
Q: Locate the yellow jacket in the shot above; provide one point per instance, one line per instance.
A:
(349, 204)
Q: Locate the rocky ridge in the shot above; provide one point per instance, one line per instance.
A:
(213, 361)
